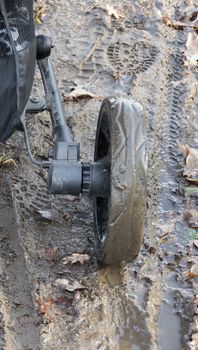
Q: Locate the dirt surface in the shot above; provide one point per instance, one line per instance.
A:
(148, 304)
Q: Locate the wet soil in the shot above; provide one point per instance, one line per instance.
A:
(148, 304)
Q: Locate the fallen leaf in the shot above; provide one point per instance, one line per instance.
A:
(70, 286)
(184, 149)
(191, 51)
(191, 168)
(75, 258)
(47, 215)
(194, 340)
(44, 307)
(7, 161)
(40, 14)
(78, 94)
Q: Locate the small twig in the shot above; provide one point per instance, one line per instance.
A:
(90, 53)
(178, 25)
(191, 275)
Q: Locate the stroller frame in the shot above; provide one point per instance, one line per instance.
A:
(116, 179)
(89, 178)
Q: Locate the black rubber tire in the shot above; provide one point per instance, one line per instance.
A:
(119, 219)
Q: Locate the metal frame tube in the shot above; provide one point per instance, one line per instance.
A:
(61, 132)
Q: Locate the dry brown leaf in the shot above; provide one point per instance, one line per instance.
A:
(194, 340)
(45, 307)
(191, 168)
(4, 161)
(191, 51)
(75, 258)
(78, 94)
(48, 306)
(70, 286)
(184, 149)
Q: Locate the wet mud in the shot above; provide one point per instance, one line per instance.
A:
(147, 304)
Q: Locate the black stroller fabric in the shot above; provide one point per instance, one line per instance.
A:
(17, 62)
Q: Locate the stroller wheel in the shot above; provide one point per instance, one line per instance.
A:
(119, 217)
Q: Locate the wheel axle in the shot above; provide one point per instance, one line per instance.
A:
(74, 178)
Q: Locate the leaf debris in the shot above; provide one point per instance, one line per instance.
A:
(7, 161)
(69, 285)
(174, 24)
(191, 167)
(75, 258)
(40, 14)
(78, 94)
(47, 215)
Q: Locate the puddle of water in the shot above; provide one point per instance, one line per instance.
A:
(169, 336)
(133, 328)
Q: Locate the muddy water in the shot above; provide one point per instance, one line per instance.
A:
(147, 304)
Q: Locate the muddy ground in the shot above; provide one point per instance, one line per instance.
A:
(148, 304)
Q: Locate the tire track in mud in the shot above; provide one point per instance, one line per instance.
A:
(18, 318)
(171, 124)
(172, 131)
